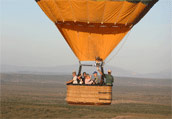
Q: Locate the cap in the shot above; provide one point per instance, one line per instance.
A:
(94, 72)
(109, 70)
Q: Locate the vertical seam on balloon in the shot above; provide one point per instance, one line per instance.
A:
(102, 45)
(110, 43)
(73, 47)
(50, 13)
(58, 10)
(133, 13)
(104, 12)
(87, 13)
(99, 46)
(120, 12)
(81, 47)
(105, 46)
(88, 22)
(74, 18)
(78, 40)
(95, 54)
(95, 46)
(88, 45)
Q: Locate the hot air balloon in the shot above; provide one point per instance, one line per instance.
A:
(92, 29)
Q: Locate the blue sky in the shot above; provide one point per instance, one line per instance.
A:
(29, 38)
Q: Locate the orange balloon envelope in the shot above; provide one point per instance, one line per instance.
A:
(94, 28)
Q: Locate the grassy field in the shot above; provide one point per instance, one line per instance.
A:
(43, 96)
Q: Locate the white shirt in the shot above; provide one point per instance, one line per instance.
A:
(88, 81)
(81, 82)
(75, 80)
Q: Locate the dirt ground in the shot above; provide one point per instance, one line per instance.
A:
(43, 97)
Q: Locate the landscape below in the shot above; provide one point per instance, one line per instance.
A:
(43, 96)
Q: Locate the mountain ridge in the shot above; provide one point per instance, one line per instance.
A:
(67, 69)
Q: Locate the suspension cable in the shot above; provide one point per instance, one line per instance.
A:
(119, 48)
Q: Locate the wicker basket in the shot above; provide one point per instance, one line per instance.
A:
(89, 94)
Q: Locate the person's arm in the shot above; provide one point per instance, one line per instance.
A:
(91, 81)
(70, 81)
(79, 76)
(99, 71)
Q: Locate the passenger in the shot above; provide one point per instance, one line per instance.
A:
(109, 77)
(80, 79)
(83, 77)
(88, 79)
(74, 79)
(96, 79)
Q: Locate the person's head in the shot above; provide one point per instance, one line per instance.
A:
(95, 73)
(74, 73)
(87, 76)
(84, 74)
(109, 71)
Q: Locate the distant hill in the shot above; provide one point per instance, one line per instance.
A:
(67, 69)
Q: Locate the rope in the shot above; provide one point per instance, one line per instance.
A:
(119, 48)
